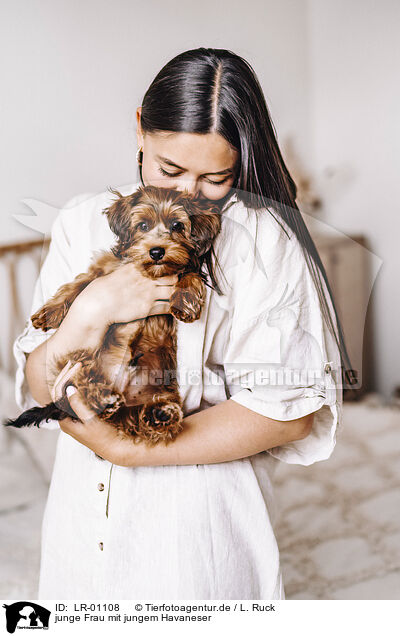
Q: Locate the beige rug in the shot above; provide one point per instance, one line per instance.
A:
(339, 522)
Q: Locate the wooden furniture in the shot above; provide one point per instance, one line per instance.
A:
(20, 264)
(17, 295)
(345, 259)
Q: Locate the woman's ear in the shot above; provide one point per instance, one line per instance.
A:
(139, 132)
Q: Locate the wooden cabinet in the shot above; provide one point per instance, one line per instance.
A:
(346, 261)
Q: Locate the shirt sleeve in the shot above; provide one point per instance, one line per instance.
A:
(55, 271)
(281, 360)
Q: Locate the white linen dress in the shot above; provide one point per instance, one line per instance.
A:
(199, 531)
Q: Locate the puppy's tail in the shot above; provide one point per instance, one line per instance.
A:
(37, 414)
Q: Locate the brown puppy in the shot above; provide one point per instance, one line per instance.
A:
(130, 379)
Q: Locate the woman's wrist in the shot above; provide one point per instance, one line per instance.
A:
(85, 324)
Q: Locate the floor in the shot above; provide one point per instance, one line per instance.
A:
(338, 528)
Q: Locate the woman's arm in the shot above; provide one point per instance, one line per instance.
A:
(77, 331)
(122, 296)
(221, 433)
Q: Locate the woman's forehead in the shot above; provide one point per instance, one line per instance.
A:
(202, 153)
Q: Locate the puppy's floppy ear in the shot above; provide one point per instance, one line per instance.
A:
(205, 219)
(119, 214)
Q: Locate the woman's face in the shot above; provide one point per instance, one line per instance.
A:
(196, 163)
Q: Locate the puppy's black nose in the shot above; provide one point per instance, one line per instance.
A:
(157, 253)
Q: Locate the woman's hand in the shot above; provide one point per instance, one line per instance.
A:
(102, 438)
(126, 295)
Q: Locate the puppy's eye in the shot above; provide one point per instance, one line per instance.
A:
(177, 226)
(143, 226)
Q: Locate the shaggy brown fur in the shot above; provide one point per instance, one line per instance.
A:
(130, 379)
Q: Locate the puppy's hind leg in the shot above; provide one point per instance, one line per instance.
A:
(160, 420)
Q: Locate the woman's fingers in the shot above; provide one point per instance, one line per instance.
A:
(160, 308)
(167, 280)
(164, 287)
(65, 375)
(55, 388)
(164, 292)
(83, 412)
(63, 371)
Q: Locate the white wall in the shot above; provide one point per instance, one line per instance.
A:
(354, 61)
(74, 73)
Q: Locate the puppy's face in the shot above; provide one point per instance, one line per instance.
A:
(161, 229)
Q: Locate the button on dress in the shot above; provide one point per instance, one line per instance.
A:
(198, 531)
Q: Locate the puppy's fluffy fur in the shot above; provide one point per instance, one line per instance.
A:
(130, 379)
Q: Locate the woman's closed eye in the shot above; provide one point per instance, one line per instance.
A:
(177, 174)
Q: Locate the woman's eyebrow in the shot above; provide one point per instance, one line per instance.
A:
(171, 163)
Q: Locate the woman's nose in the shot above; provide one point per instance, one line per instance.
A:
(191, 187)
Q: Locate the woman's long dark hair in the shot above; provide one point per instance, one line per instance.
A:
(214, 90)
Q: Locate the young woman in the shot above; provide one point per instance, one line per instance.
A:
(193, 519)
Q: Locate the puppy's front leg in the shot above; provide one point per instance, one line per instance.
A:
(51, 315)
(187, 301)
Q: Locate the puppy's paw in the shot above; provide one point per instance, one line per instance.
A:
(186, 305)
(160, 420)
(48, 318)
(104, 402)
(112, 405)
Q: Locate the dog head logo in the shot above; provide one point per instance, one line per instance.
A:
(26, 615)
